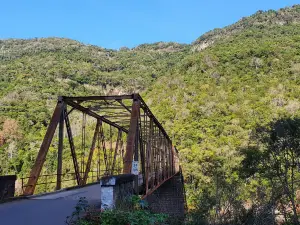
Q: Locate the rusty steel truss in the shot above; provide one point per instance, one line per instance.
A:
(125, 130)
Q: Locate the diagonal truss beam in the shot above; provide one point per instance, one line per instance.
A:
(72, 147)
(41, 157)
(122, 104)
(95, 115)
(88, 165)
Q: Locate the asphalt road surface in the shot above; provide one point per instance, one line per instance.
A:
(51, 209)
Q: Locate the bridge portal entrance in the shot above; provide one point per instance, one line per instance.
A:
(96, 136)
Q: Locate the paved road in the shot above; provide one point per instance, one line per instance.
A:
(49, 209)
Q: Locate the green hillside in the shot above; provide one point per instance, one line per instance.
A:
(210, 96)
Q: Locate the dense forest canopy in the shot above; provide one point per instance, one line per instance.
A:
(210, 96)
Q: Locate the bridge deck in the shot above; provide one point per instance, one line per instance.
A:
(47, 209)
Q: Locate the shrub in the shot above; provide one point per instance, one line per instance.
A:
(137, 214)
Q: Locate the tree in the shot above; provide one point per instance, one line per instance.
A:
(11, 130)
(274, 157)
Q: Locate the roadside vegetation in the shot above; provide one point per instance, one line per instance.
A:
(130, 212)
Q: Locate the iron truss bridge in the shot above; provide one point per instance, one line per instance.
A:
(95, 136)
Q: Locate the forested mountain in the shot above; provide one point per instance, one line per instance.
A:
(211, 96)
(261, 19)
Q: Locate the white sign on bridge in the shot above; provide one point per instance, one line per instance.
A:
(135, 168)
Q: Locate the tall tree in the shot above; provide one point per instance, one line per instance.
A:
(276, 158)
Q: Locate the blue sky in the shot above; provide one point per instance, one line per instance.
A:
(117, 23)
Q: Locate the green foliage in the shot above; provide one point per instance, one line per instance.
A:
(139, 217)
(276, 160)
(215, 98)
(260, 20)
(135, 215)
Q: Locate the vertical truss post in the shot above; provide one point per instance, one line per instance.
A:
(88, 165)
(167, 159)
(102, 137)
(141, 135)
(153, 149)
(164, 157)
(136, 158)
(156, 152)
(41, 157)
(121, 155)
(160, 154)
(170, 159)
(132, 140)
(149, 155)
(116, 151)
(131, 136)
(110, 151)
(60, 149)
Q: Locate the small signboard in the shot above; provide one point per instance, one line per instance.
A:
(135, 168)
